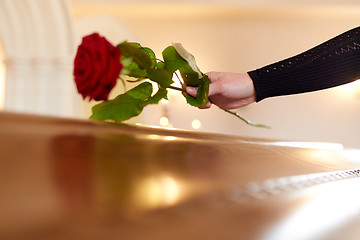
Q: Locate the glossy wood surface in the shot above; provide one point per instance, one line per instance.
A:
(77, 179)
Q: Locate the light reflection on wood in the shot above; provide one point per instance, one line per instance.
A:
(73, 179)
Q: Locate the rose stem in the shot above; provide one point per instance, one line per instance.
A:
(244, 119)
(231, 112)
(176, 88)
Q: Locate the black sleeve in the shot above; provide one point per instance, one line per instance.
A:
(332, 63)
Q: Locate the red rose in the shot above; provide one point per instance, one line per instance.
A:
(97, 67)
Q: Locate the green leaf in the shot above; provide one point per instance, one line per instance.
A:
(180, 59)
(151, 55)
(161, 76)
(161, 65)
(190, 77)
(133, 51)
(173, 61)
(188, 57)
(135, 44)
(131, 69)
(147, 50)
(160, 94)
(124, 106)
(201, 95)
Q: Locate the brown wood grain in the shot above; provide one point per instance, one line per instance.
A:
(75, 179)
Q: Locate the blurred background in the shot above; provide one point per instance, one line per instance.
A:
(38, 41)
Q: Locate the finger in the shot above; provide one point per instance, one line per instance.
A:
(214, 88)
(191, 91)
(206, 106)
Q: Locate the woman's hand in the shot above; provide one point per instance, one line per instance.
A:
(228, 90)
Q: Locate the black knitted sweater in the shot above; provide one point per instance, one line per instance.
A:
(332, 63)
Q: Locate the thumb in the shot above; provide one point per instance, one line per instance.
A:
(213, 90)
(191, 91)
(214, 87)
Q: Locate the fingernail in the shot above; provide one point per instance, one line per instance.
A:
(190, 90)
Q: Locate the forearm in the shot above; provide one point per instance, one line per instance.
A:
(330, 64)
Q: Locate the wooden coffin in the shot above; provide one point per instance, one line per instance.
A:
(73, 179)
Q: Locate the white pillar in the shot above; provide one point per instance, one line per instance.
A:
(39, 48)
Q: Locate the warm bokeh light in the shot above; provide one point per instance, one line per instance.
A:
(170, 138)
(196, 124)
(158, 191)
(164, 121)
(157, 137)
(153, 136)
